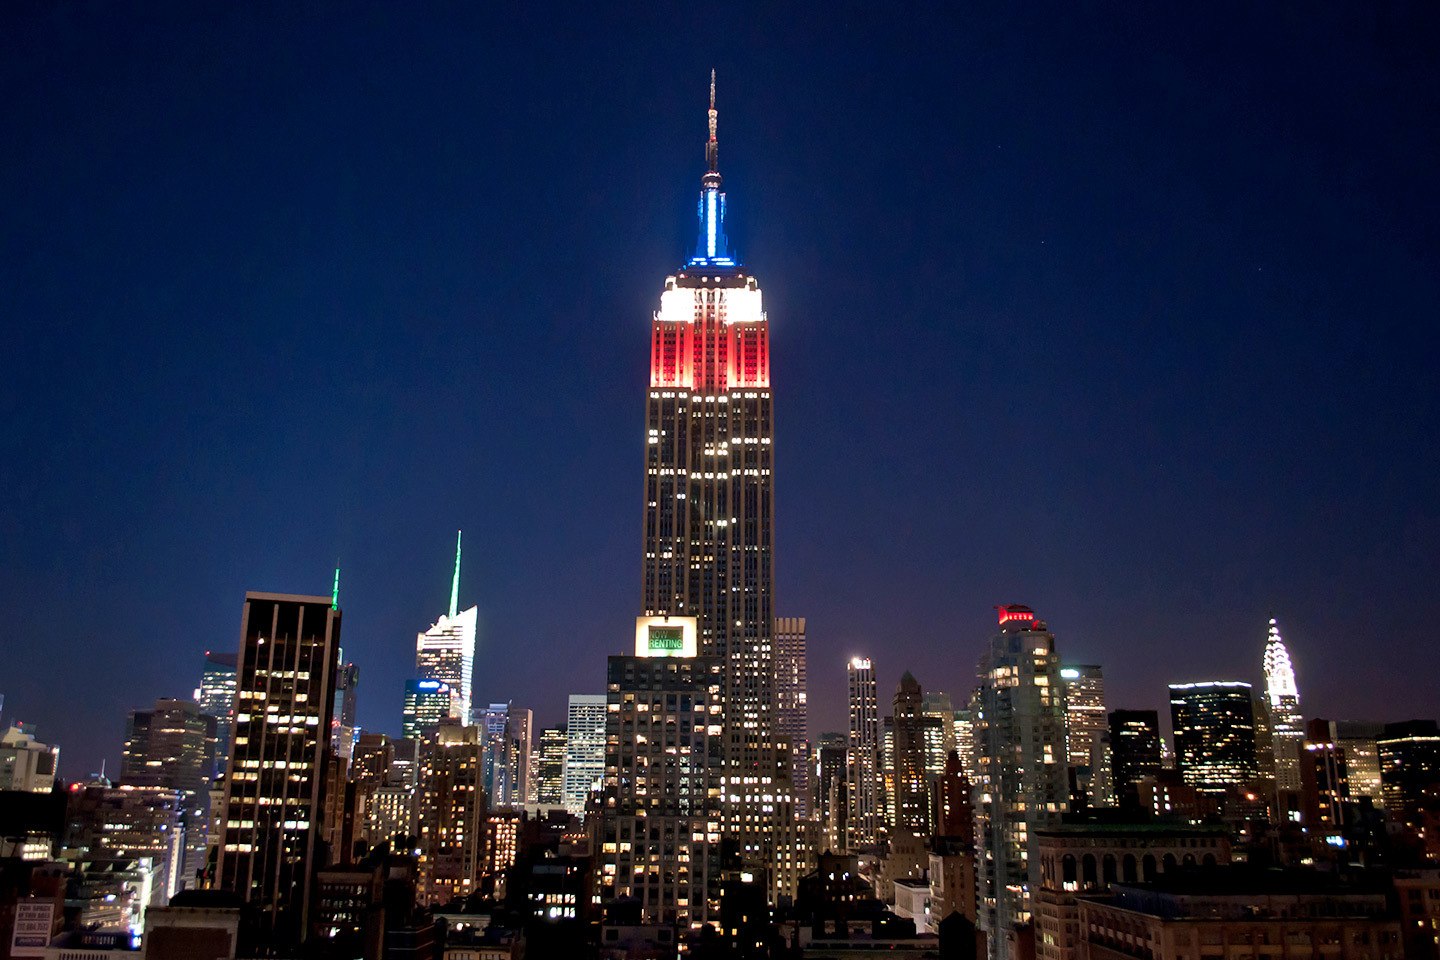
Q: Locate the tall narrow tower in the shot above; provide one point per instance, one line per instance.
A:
(1287, 724)
(709, 539)
(446, 652)
(863, 771)
(1022, 789)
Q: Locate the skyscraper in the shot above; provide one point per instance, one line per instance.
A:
(1087, 733)
(831, 788)
(1410, 770)
(863, 748)
(451, 824)
(791, 704)
(663, 766)
(550, 771)
(26, 764)
(708, 534)
(1214, 726)
(1360, 741)
(274, 798)
(1134, 749)
(216, 696)
(507, 753)
(911, 780)
(584, 749)
(427, 702)
(173, 746)
(446, 652)
(1023, 788)
(1287, 726)
(343, 728)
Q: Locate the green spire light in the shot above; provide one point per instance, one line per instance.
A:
(335, 590)
(455, 583)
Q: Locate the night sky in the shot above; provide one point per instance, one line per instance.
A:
(1125, 313)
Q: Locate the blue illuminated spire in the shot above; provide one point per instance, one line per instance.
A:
(712, 249)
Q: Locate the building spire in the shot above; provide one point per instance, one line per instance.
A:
(455, 583)
(335, 590)
(1279, 670)
(712, 250)
(712, 146)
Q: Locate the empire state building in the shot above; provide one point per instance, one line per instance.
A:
(709, 539)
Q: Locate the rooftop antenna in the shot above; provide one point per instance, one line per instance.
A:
(455, 583)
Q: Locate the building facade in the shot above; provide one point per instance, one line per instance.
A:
(1287, 725)
(26, 764)
(584, 749)
(427, 703)
(708, 528)
(452, 809)
(550, 770)
(664, 773)
(1214, 726)
(792, 705)
(908, 770)
(173, 746)
(446, 651)
(1134, 750)
(1410, 769)
(274, 798)
(216, 696)
(1087, 734)
(1080, 859)
(863, 755)
(1023, 787)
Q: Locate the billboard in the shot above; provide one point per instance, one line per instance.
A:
(665, 637)
(34, 921)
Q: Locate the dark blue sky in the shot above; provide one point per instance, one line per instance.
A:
(1127, 314)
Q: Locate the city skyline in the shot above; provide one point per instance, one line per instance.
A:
(1155, 540)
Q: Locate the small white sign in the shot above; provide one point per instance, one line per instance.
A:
(34, 919)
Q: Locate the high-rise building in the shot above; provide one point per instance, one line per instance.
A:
(1359, 739)
(1324, 783)
(909, 774)
(522, 755)
(965, 740)
(343, 728)
(708, 532)
(584, 749)
(938, 706)
(130, 822)
(1023, 787)
(427, 702)
(507, 753)
(1409, 769)
(1287, 725)
(26, 764)
(274, 798)
(216, 696)
(1214, 726)
(452, 813)
(1134, 749)
(1086, 733)
(446, 652)
(173, 746)
(863, 754)
(374, 753)
(791, 704)
(831, 787)
(663, 767)
(550, 771)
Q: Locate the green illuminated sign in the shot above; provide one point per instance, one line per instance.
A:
(666, 639)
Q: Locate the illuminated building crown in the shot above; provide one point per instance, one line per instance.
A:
(713, 248)
(1279, 673)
